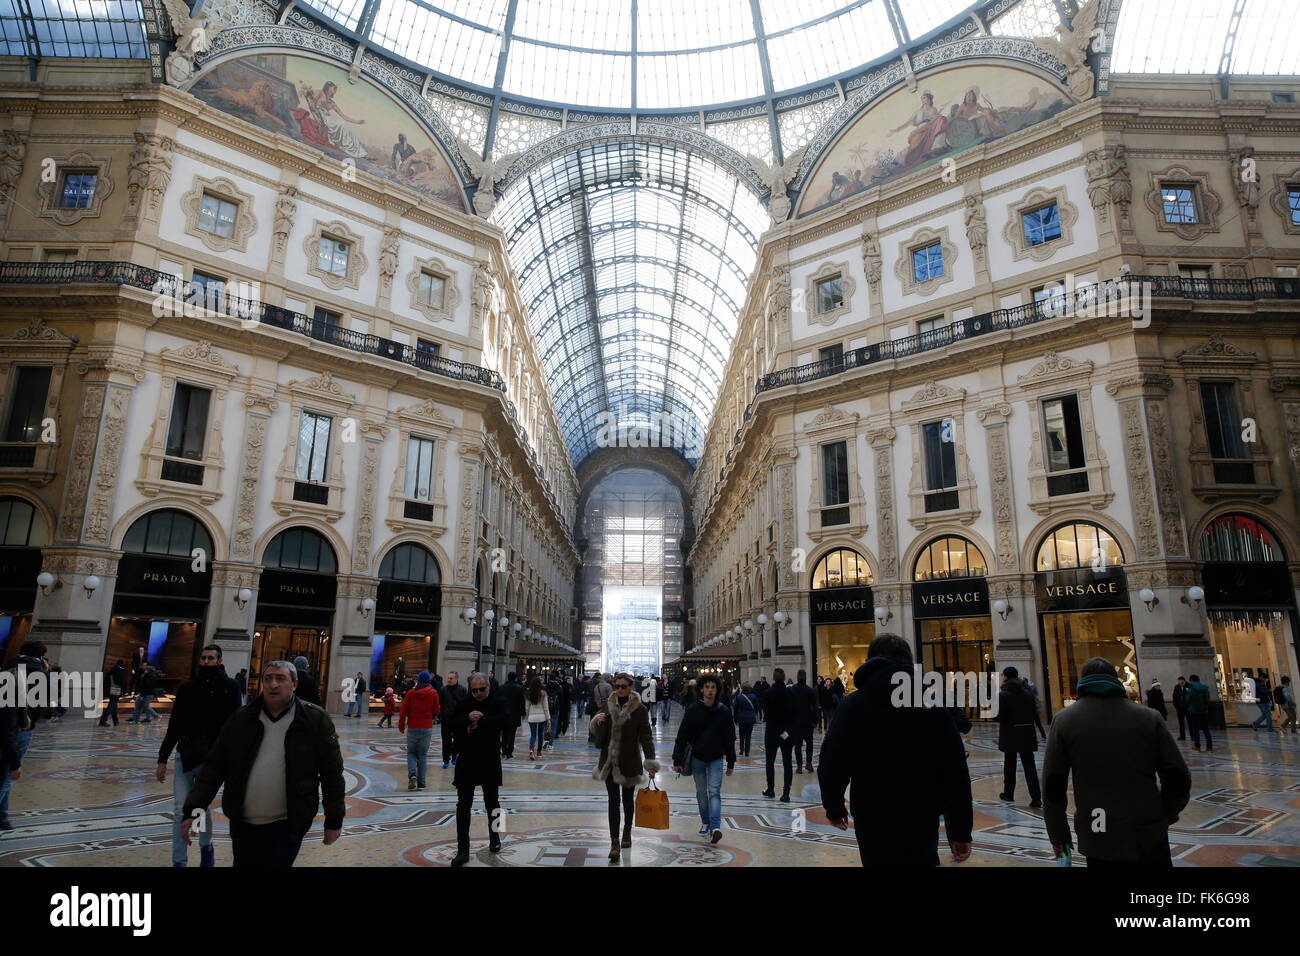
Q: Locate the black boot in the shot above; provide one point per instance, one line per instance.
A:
(461, 857)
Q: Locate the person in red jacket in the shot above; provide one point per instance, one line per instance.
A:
(419, 707)
(390, 707)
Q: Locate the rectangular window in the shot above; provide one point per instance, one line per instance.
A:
(1223, 429)
(1293, 202)
(834, 354)
(940, 455)
(1041, 225)
(433, 290)
(313, 446)
(31, 387)
(1194, 271)
(1283, 97)
(419, 469)
(1179, 202)
(830, 294)
(217, 215)
(327, 317)
(332, 256)
(78, 189)
(429, 348)
(209, 288)
(931, 330)
(189, 422)
(835, 483)
(927, 262)
(1063, 433)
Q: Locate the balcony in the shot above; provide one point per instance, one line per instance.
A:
(311, 493)
(17, 455)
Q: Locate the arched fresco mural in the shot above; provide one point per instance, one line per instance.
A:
(314, 103)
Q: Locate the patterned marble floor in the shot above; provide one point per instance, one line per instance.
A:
(88, 797)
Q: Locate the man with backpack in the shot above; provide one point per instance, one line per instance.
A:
(1198, 712)
(1264, 701)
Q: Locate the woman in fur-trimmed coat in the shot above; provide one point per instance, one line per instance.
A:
(622, 731)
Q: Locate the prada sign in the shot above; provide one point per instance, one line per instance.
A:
(406, 600)
(168, 577)
(950, 597)
(841, 605)
(296, 588)
(1081, 589)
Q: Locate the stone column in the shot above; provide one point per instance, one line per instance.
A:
(455, 634)
(354, 630)
(228, 624)
(71, 623)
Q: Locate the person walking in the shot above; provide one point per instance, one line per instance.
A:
(390, 708)
(566, 698)
(116, 686)
(903, 767)
(419, 707)
(1264, 701)
(825, 703)
(601, 689)
(1115, 751)
(761, 688)
(622, 732)
(145, 686)
(1198, 712)
(277, 757)
(308, 687)
(779, 708)
(805, 719)
(554, 691)
(746, 714)
(203, 705)
(665, 699)
(1156, 699)
(1016, 737)
(512, 707)
(18, 723)
(537, 714)
(650, 697)
(477, 725)
(1286, 700)
(359, 700)
(709, 737)
(1180, 706)
(1032, 690)
(450, 696)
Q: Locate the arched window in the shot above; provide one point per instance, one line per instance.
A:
(170, 532)
(1238, 538)
(841, 568)
(410, 562)
(1080, 544)
(950, 558)
(21, 525)
(300, 549)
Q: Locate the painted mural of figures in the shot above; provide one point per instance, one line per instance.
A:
(927, 136)
(983, 117)
(323, 122)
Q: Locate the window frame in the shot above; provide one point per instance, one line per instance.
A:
(311, 455)
(203, 429)
(1056, 219)
(62, 191)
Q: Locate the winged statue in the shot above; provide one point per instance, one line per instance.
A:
(488, 172)
(776, 178)
(194, 35)
(1070, 47)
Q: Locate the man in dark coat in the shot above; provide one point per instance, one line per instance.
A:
(203, 705)
(1016, 737)
(805, 719)
(512, 705)
(307, 689)
(1116, 750)
(477, 724)
(449, 697)
(1180, 705)
(904, 767)
(778, 733)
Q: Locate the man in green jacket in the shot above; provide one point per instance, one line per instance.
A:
(272, 755)
(1115, 749)
(1198, 712)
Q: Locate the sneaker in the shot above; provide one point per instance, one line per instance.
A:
(420, 787)
(445, 765)
(717, 835)
(7, 826)
(410, 783)
(453, 761)
(704, 830)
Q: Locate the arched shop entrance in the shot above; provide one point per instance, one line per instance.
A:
(950, 605)
(1250, 602)
(295, 604)
(22, 535)
(407, 612)
(842, 614)
(1081, 594)
(161, 600)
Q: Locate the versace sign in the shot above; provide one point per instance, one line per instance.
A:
(841, 605)
(1081, 589)
(950, 597)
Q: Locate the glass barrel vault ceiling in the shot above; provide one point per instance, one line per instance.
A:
(632, 258)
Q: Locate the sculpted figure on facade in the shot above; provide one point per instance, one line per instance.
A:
(977, 227)
(388, 250)
(285, 207)
(1071, 46)
(872, 261)
(778, 297)
(11, 163)
(1097, 170)
(150, 172)
(1121, 187)
(1246, 181)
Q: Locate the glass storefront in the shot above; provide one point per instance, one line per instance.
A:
(841, 611)
(408, 609)
(295, 606)
(950, 604)
(22, 535)
(1081, 593)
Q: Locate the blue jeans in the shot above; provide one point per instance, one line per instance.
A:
(555, 726)
(666, 708)
(6, 782)
(354, 706)
(417, 752)
(182, 782)
(708, 789)
(1265, 714)
(142, 703)
(536, 735)
(267, 845)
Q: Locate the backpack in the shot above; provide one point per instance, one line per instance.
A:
(1198, 699)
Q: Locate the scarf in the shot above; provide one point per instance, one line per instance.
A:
(1101, 685)
(619, 717)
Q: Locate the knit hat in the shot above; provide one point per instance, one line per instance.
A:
(422, 678)
(1155, 682)
(389, 691)
(1010, 672)
(300, 663)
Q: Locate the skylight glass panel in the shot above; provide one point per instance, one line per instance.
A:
(1148, 39)
(1268, 39)
(579, 78)
(692, 24)
(343, 12)
(922, 16)
(834, 46)
(107, 29)
(781, 15)
(446, 45)
(590, 24)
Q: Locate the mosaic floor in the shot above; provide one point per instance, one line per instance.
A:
(88, 797)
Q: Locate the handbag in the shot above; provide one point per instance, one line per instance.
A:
(652, 808)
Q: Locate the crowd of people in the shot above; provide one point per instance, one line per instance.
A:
(904, 768)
